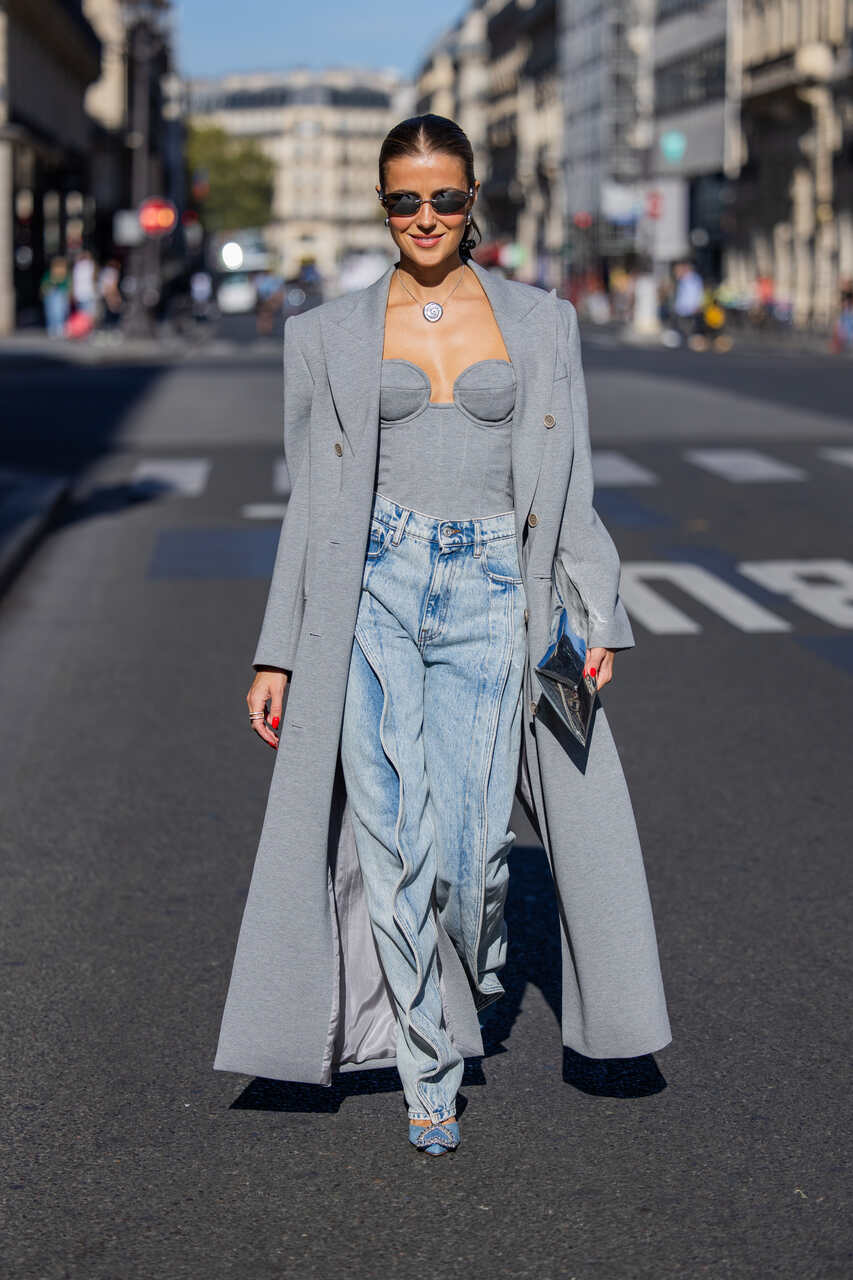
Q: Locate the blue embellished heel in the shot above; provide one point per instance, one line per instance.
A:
(435, 1139)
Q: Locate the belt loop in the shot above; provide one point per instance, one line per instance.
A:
(400, 526)
(478, 538)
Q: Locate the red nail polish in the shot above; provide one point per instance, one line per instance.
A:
(592, 672)
(275, 722)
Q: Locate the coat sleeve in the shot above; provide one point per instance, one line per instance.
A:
(585, 547)
(282, 622)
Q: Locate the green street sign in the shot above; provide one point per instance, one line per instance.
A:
(673, 145)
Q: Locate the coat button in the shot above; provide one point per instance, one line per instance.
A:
(339, 449)
(534, 707)
(526, 615)
(533, 519)
(549, 420)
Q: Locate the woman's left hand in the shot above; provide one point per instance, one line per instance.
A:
(599, 665)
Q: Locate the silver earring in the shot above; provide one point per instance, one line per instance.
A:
(387, 222)
(468, 220)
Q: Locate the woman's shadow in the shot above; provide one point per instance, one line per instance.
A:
(534, 956)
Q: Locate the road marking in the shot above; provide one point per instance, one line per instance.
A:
(612, 468)
(280, 478)
(214, 553)
(616, 506)
(830, 600)
(744, 466)
(264, 510)
(186, 477)
(662, 618)
(838, 453)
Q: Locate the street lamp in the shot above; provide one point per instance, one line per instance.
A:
(143, 24)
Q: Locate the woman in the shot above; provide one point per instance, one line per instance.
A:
(436, 437)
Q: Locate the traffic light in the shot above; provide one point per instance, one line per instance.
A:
(157, 216)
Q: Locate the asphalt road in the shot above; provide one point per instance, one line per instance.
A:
(132, 795)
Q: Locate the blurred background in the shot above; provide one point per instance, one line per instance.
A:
(681, 167)
(176, 180)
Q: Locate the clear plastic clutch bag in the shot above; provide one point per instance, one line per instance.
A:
(560, 671)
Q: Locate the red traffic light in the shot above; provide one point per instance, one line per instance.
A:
(582, 220)
(157, 216)
(654, 204)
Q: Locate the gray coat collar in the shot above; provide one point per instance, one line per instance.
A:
(354, 335)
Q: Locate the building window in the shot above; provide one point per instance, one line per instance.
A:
(691, 80)
(669, 8)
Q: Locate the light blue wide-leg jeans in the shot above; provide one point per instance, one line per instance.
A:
(430, 745)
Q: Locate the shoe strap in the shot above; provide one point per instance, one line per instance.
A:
(437, 1133)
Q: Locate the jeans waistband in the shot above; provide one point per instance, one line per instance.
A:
(447, 533)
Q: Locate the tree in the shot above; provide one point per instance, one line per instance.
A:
(231, 179)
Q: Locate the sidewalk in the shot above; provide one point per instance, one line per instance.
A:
(31, 345)
(783, 342)
(28, 503)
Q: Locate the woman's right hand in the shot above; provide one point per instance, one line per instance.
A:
(268, 686)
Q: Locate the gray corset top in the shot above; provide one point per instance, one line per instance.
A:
(451, 459)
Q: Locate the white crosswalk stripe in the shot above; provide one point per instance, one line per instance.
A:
(264, 510)
(838, 453)
(662, 618)
(611, 468)
(744, 466)
(823, 588)
(280, 477)
(186, 477)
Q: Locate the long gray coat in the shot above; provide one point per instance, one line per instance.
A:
(307, 995)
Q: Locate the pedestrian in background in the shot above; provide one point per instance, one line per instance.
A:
(201, 294)
(56, 297)
(688, 303)
(83, 284)
(842, 336)
(109, 289)
(436, 437)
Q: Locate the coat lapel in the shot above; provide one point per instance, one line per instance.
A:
(527, 319)
(353, 338)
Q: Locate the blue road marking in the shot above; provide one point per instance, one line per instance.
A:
(835, 649)
(617, 507)
(214, 553)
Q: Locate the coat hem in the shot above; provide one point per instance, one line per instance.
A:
(637, 1051)
(268, 1070)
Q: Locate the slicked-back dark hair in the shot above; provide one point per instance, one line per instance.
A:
(421, 135)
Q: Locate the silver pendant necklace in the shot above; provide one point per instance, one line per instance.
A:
(433, 311)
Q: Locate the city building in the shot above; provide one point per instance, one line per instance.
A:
(49, 55)
(523, 191)
(135, 108)
(691, 117)
(605, 59)
(454, 77)
(496, 72)
(792, 158)
(323, 130)
(87, 108)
